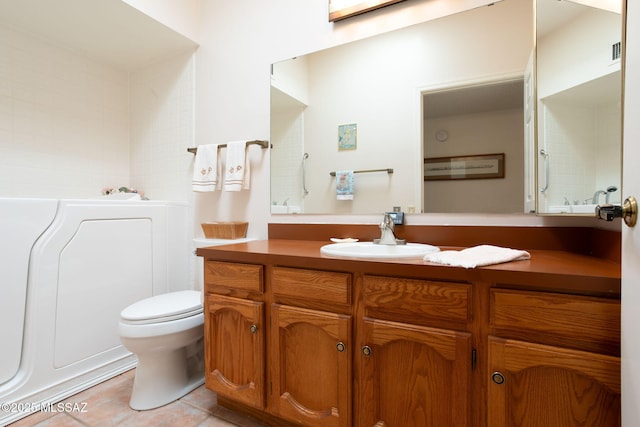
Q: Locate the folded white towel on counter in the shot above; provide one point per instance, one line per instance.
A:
(477, 256)
(237, 170)
(205, 168)
(344, 185)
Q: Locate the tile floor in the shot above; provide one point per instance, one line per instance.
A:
(107, 404)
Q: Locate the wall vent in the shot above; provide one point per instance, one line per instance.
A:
(616, 51)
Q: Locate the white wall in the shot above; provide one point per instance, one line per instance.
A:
(70, 126)
(578, 51)
(64, 121)
(162, 128)
(292, 78)
(181, 16)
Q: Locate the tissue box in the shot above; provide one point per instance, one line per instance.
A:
(225, 230)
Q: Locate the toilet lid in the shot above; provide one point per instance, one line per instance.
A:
(164, 307)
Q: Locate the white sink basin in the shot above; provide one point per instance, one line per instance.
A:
(370, 250)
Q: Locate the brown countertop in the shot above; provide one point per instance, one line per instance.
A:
(547, 270)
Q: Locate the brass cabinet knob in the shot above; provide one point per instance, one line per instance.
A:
(340, 346)
(497, 378)
(366, 350)
(253, 328)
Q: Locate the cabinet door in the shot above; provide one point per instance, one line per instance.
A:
(311, 355)
(234, 355)
(413, 376)
(533, 385)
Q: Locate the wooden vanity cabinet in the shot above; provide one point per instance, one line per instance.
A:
(301, 340)
(234, 332)
(311, 362)
(311, 346)
(416, 372)
(553, 360)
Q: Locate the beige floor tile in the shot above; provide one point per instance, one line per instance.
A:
(215, 422)
(59, 420)
(236, 419)
(202, 398)
(107, 404)
(173, 414)
(32, 419)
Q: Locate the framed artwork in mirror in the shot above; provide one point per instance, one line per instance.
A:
(347, 137)
(341, 9)
(483, 166)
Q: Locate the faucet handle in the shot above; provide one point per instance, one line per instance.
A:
(396, 218)
(387, 221)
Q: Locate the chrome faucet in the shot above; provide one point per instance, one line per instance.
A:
(596, 196)
(611, 189)
(386, 232)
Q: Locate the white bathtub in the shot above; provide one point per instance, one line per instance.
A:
(576, 209)
(68, 267)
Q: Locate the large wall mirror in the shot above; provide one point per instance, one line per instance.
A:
(579, 118)
(442, 104)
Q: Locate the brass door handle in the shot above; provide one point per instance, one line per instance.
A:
(340, 346)
(253, 328)
(366, 350)
(628, 211)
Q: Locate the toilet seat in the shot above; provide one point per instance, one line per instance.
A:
(163, 308)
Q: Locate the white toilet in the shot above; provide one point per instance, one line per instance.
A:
(166, 333)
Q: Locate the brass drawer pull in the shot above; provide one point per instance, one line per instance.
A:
(253, 328)
(366, 350)
(497, 378)
(340, 346)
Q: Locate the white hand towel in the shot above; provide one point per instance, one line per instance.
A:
(344, 185)
(477, 256)
(237, 170)
(205, 168)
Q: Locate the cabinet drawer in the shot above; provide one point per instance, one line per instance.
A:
(417, 301)
(591, 324)
(233, 275)
(322, 286)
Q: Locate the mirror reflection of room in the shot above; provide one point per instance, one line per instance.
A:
(378, 84)
(464, 127)
(579, 105)
(560, 136)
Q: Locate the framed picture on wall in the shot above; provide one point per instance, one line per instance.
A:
(341, 9)
(347, 137)
(481, 166)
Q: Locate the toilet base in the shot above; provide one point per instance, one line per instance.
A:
(162, 378)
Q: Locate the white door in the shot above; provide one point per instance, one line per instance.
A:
(631, 236)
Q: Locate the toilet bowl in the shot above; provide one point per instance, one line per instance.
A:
(165, 332)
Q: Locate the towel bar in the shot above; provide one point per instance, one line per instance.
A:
(387, 170)
(263, 144)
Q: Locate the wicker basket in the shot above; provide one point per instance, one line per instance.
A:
(225, 230)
